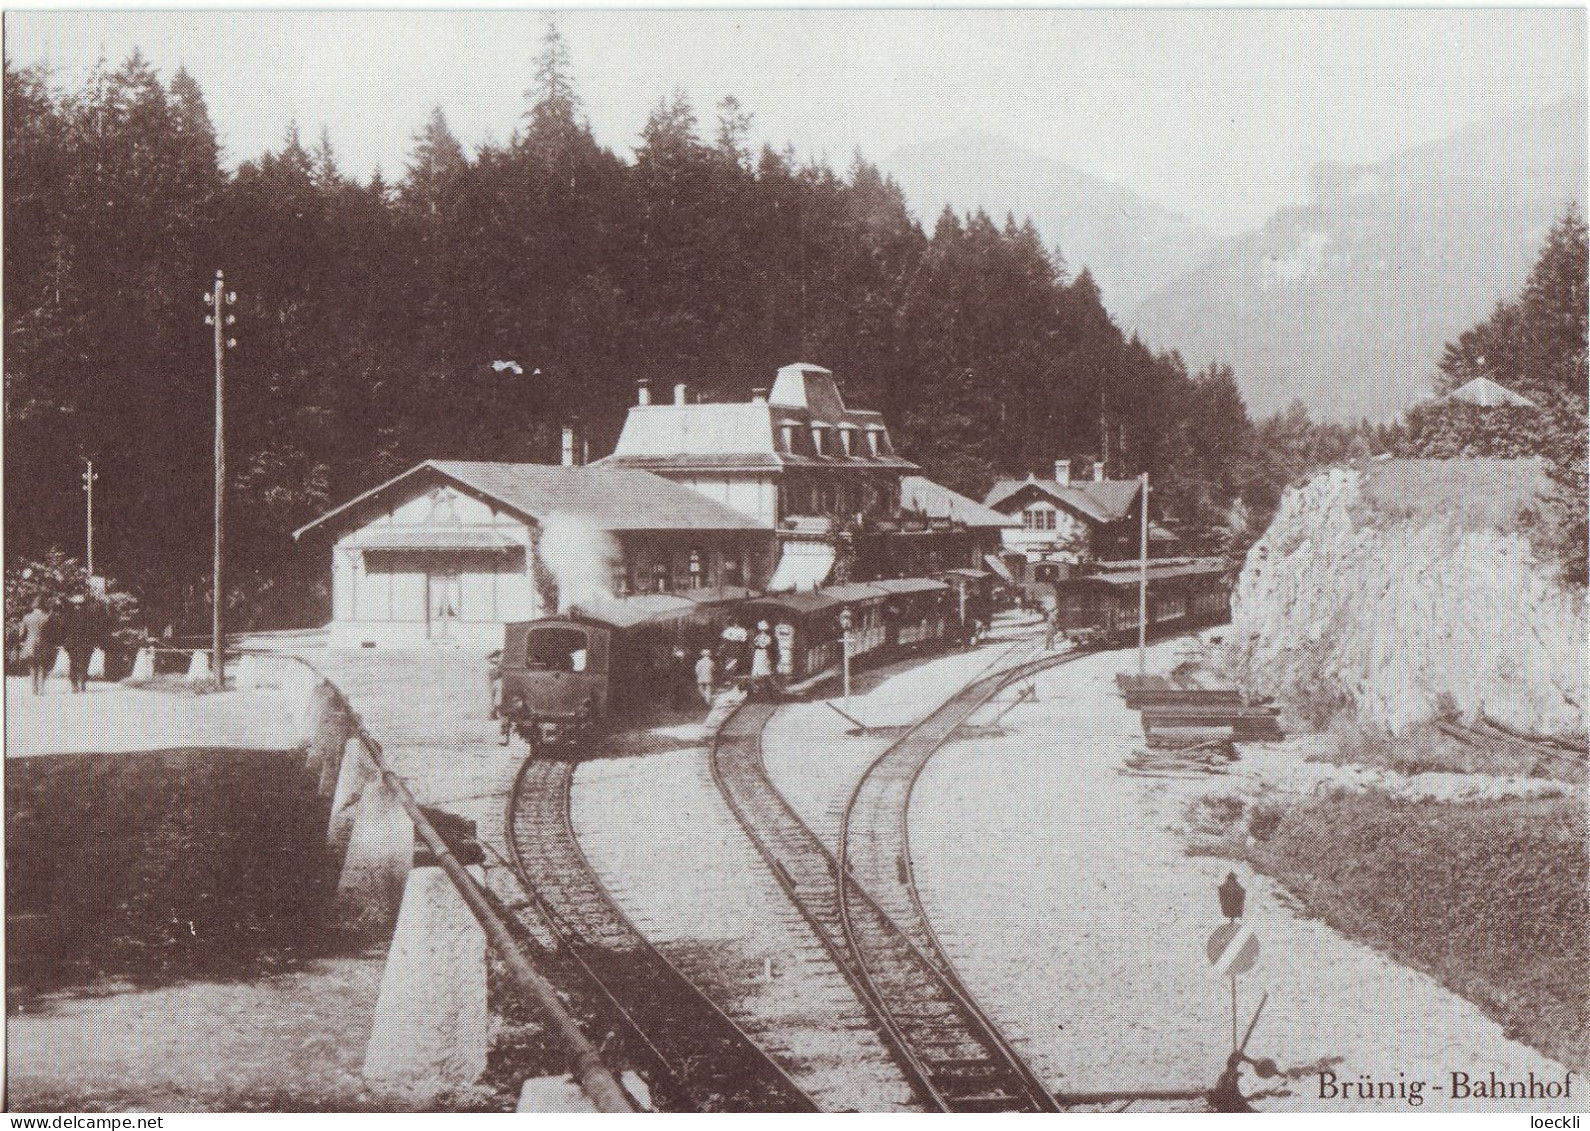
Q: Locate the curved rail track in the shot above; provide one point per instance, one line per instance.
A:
(954, 1056)
(708, 1063)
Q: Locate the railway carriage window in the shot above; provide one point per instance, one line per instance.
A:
(556, 650)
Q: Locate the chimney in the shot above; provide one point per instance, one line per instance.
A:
(680, 391)
(643, 393)
(758, 396)
(1062, 472)
(1098, 471)
(569, 458)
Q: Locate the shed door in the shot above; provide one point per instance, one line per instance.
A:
(444, 594)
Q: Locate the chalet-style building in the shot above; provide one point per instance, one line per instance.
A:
(449, 550)
(1066, 521)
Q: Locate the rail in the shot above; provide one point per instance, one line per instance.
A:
(638, 978)
(918, 744)
(975, 1067)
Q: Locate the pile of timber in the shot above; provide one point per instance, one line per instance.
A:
(1192, 708)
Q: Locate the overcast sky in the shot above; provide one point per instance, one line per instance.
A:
(1216, 114)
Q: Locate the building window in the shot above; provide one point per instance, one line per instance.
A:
(697, 570)
(1038, 518)
(846, 439)
(817, 438)
(875, 441)
(788, 435)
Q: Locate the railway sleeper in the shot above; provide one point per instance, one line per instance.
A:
(989, 1101)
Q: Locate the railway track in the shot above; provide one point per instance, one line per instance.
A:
(702, 1060)
(952, 1053)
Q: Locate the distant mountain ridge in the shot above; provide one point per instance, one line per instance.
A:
(1346, 302)
(1131, 246)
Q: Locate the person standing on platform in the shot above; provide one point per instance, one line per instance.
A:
(75, 638)
(706, 672)
(38, 645)
(761, 658)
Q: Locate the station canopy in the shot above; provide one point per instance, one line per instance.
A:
(803, 566)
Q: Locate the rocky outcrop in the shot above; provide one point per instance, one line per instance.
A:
(1399, 615)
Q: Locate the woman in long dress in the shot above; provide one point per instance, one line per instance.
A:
(761, 658)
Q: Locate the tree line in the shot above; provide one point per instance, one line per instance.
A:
(369, 313)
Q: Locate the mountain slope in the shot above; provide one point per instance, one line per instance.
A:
(1346, 302)
(1130, 245)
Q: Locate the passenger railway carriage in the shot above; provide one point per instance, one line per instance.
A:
(1101, 607)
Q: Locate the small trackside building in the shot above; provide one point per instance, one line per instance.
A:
(450, 550)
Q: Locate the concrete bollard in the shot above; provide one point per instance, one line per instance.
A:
(431, 1022)
(326, 729)
(376, 864)
(144, 665)
(356, 772)
(63, 663)
(199, 666)
(545, 1095)
(96, 664)
(331, 769)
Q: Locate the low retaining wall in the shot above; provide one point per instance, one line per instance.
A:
(431, 1028)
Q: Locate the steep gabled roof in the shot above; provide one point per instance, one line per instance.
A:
(920, 494)
(1100, 501)
(608, 498)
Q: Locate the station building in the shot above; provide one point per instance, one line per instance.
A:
(790, 490)
(448, 551)
(823, 476)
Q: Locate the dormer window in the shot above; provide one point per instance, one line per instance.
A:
(847, 439)
(787, 434)
(875, 441)
(817, 438)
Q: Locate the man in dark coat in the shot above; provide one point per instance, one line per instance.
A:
(77, 638)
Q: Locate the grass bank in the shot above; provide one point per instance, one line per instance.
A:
(1489, 898)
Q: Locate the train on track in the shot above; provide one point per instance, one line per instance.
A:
(564, 677)
(1099, 608)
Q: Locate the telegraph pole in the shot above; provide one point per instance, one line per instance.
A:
(1142, 582)
(217, 300)
(88, 486)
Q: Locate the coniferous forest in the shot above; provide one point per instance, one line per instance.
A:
(369, 315)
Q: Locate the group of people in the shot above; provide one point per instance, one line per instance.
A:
(79, 627)
(741, 654)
